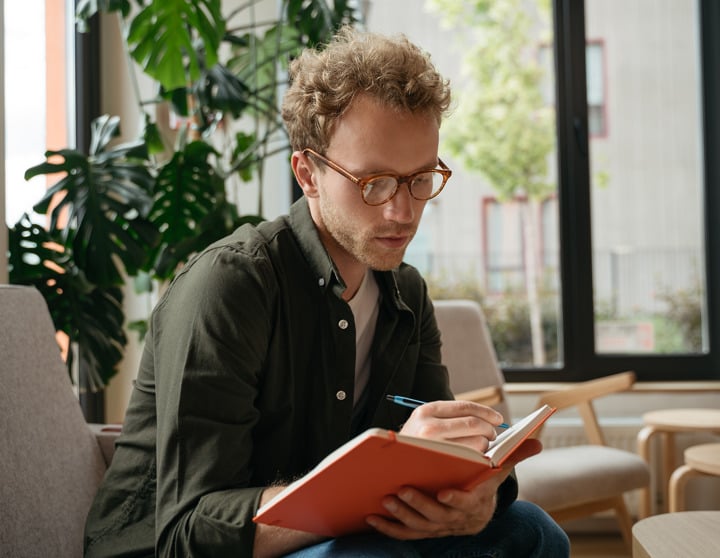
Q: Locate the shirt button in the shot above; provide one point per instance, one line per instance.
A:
(341, 395)
(321, 281)
(343, 324)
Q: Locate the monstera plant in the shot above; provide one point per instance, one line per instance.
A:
(137, 211)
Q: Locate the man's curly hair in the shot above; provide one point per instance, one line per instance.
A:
(324, 82)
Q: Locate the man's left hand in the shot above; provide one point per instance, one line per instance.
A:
(451, 512)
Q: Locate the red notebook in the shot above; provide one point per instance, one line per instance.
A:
(336, 496)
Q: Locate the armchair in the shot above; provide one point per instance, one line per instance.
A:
(51, 461)
(567, 482)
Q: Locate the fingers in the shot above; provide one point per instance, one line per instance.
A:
(463, 422)
(453, 409)
(415, 515)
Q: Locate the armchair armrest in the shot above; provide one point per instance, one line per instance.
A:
(582, 396)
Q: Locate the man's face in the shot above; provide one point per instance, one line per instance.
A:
(371, 139)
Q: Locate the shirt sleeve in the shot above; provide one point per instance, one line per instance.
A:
(210, 334)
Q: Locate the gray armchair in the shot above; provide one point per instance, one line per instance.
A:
(568, 482)
(51, 461)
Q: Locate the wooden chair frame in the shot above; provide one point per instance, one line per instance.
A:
(581, 396)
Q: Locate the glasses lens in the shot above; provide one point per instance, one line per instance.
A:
(379, 190)
(425, 185)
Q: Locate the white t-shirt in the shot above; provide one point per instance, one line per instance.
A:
(365, 306)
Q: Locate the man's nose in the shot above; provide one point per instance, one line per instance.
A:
(400, 208)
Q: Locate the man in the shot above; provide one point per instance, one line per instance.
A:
(279, 343)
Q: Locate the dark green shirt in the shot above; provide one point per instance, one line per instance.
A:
(247, 380)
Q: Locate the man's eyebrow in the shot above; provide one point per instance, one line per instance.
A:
(388, 171)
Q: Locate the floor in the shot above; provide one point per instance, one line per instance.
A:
(598, 546)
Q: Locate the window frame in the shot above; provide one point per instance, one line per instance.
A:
(580, 361)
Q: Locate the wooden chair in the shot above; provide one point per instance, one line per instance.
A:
(701, 460)
(567, 482)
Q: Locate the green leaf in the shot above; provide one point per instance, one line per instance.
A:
(187, 190)
(244, 159)
(162, 39)
(101, 205)
(222, 91)
(91, 316)
(99, 333)
(317, 20)
(258, 63)
(140, 327)
(152, 137)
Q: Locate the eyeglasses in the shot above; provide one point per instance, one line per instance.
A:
(378, 189)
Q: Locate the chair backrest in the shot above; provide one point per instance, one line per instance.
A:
(581, 396)
(50, 463)
(468, 352)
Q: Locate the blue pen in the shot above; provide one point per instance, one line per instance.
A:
(413, 403)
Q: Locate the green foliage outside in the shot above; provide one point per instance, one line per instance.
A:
(503, 129)
(507, 315)
(677, 328)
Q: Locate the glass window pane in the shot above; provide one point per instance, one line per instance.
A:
(647, 179)
(38, 94)
(491, 234)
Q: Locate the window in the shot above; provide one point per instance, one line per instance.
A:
(595, 78)
(639, 236)
(51, 94)
(38, 95)
(503, 241)
(626, 245)
(504, 265)
(595, 73)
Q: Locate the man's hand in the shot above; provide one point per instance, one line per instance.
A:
(450, 511)
(464, 422)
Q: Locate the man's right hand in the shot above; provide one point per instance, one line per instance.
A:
(464, 422)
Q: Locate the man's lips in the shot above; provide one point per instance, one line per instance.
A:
(394, 241)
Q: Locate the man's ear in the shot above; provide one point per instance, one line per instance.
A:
(304, 173)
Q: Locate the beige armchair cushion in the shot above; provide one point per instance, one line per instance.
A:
(50, 462)
(568, 476)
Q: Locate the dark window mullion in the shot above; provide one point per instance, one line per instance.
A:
(87, 82)
(87, 108)
(577, 332)
(709, 25)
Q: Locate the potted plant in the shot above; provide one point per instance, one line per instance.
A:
(137, 211)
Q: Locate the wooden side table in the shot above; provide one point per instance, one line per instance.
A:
(666, 423)
(701, 460)
(691, 534)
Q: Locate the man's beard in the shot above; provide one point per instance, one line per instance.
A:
(360, 243)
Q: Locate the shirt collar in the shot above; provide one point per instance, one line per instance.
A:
(307, 236)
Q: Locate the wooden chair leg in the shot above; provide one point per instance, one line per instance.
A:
(643, 447)
(624, 520)
(676, 487)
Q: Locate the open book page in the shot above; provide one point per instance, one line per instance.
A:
(508, 440)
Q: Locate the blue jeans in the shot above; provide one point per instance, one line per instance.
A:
(523, 531)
